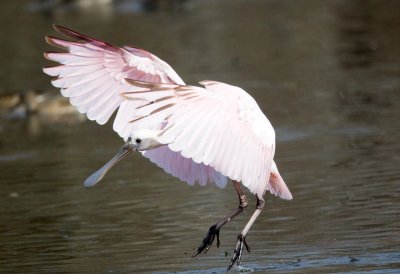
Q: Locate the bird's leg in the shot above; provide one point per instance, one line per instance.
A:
(241, 241)
(214, 229)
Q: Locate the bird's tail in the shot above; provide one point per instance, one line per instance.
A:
(277, 186)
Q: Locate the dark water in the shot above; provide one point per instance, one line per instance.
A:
(327, 74)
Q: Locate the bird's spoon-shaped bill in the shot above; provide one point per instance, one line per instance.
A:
(99, 174)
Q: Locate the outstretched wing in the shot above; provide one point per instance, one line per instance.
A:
(219, 126)
(92, 73)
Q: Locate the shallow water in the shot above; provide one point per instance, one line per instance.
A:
(326, 73)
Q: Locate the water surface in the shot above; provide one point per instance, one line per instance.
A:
(326, 73)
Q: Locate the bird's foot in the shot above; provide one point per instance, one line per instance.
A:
(237, 253)
(208, 240)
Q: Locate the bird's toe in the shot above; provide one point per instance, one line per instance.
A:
(238, 252)
(208, 240)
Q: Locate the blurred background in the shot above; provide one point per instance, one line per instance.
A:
(326, 73)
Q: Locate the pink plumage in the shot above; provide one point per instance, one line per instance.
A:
(204, 134)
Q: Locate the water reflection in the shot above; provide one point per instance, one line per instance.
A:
(326, 74)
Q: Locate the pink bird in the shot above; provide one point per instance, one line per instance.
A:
(205, 134)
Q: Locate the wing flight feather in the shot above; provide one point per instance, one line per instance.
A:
(243, 146)
(89, 64)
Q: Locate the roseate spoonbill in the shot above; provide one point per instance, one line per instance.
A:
(198, 134)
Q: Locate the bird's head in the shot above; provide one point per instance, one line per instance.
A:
(145, 139)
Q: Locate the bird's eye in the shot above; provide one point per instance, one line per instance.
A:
(138, 141)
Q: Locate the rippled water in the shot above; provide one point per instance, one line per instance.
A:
(325, 72)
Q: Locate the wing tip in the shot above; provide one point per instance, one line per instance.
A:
(76, 36)
(58, 28)
(66, 31)
(51, 55)
(58, 43)
(48, 39)
(47, 70)
(47, 55)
